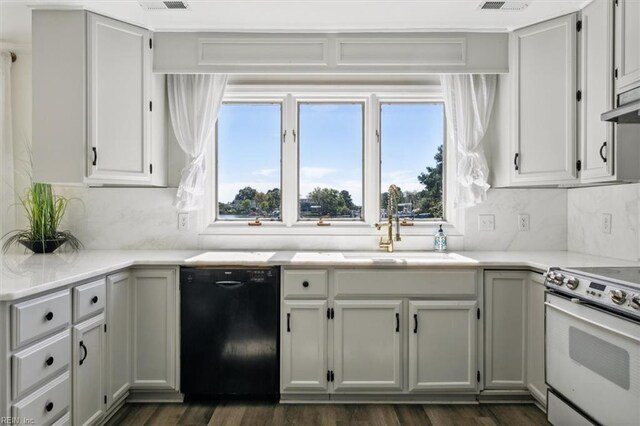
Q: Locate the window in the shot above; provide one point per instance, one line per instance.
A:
(248, 161)
(411, 154)
(330, 160)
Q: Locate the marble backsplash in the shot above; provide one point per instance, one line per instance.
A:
(586, 207)
(144, 218)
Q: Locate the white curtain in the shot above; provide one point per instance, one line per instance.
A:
(7, 196)
(468, 100)
(194, 102)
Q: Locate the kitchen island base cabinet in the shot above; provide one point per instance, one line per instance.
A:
(367, 345)
(89, 398)
(304, 345)
(442, 345)
(155, 301)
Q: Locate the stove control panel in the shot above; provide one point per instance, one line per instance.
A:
(612, 295)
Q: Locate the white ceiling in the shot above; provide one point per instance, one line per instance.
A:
(298, 15)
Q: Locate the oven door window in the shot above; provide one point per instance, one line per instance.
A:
(593, 359)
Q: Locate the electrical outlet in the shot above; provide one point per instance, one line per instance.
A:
(523, 223)
(183, 221)
(606, 223)
(486, 222)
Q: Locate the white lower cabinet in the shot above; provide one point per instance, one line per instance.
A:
(89, 399)
(155, 301)
(535, 337)
(304, 345)
(367, 345)
(442, 345)
(118, 336)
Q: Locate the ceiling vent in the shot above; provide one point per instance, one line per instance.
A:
(503, 5)
(163, 5)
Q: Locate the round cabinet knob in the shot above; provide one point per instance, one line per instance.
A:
(573, 283)
(94, 299)
(305, 284)
(49, 316)
(49, 406)
(49, 360)
(618, 296)
(635, 302)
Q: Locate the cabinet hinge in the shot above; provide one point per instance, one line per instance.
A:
(105, 328)
(150, 43)
(578, 165)
(478, 376)
(150, 169)
(578, 26)
(579, 95)
(478, 313)
(150, 106)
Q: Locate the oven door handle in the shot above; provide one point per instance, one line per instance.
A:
(583, 319)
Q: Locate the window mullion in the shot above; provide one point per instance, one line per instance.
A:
(289, 162)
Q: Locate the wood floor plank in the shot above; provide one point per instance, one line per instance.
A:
(243, 413)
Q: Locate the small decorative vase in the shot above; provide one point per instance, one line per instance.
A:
(43, 246)
(440, 241)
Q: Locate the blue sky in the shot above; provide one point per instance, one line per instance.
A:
(330, 143)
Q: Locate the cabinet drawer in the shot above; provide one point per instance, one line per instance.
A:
(39, 363)
(47, 404)
(88, 300)
(38, 317)
(305, 284)
(456, 283)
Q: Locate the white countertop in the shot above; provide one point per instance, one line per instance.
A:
(23, 275)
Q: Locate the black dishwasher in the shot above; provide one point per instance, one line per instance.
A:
(229, 332)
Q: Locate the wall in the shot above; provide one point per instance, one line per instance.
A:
(585, 209)
(136, 218)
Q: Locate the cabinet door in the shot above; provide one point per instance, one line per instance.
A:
(119, 62)
(535, 338)
(442, 345)
(627, 44)
(304, 345)
(367, 345)
(544, 63)
(155, 328)
(597, 91)
(118, 336)
(505, 329)
(89, 349)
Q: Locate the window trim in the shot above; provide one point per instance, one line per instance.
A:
(289, 226)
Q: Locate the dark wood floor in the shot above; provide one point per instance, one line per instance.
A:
(231, 414)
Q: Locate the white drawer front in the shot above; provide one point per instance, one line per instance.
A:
(436, 283)
(47, 404)
(305, 284)
(36, 318)
(88, 300)
(39, 363)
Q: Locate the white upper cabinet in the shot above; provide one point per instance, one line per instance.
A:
(627, 44)
(98, 113)
(596, 66)
(119, 61)
(544, 66)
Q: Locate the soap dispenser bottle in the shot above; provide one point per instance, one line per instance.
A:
(440, 240)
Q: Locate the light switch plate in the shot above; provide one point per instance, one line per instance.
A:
(486, 222)
(523, 223)
(183, 221)
(606, 223)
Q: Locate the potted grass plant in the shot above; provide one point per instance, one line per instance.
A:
(44, 210)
